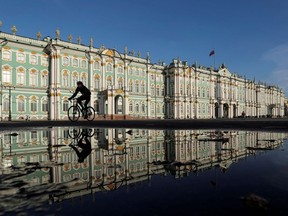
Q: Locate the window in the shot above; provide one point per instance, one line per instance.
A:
(75, 62)
(157, 91)
(33, 59)
(120, 83)
(120, 69)
(143, 88)
(96, 65)
(137, 87)
(130, 106)
(44, 60)
(97, 83)
(137, 72)
(33, 79)
(6, 105)
(34, 136)
(162, 91)
(84, 78)
(65, 61)
(6, 55)
(137, 108)
(143, 108)
(44, 106)
(83, 64)
(131, 86)
(6, 76)
(109, 67)
(33, 106)
(75, 79)
(65, 105)
(21, 57)
(130, 71)
(108, 83)
(44, 80)
(21, 105)
(65, 80)
(152, 90)
(20, 78)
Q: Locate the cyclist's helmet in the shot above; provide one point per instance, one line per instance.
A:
(79, 83)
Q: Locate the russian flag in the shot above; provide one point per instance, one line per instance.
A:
(212, 53)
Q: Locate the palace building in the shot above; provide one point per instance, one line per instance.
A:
(39, 75)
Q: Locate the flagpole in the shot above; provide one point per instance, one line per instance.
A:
(214, 58)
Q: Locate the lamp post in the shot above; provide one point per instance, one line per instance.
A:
(2, 44)
(9, 107)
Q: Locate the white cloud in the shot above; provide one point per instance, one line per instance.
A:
(279, 75)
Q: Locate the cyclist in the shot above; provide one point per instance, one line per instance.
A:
(86, 95)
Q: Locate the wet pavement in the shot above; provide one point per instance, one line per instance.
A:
(125, 171)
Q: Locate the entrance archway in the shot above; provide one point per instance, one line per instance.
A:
(119, 104)
(225, 110)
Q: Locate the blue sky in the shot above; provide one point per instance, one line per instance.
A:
(249, 36)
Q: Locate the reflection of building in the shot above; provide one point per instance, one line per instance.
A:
(120, 159)
(44, 72)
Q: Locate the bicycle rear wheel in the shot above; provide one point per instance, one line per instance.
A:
(90, 113)
(73, 113)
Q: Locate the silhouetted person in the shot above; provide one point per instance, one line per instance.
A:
(86, 147)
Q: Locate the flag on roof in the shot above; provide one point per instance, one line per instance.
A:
(212, 53)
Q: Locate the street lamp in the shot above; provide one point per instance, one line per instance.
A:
(9, 107)
(2, 44)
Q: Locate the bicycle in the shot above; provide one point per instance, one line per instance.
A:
(76, 133)
(76, 110)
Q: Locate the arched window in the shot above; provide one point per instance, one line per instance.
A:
(65, 105)
(21, 105)
(44, 60)
(6, 105)
(33, 78)
(143, 108)
(33, 106)
(188, 89)
(137, 87)
(97, 83)
(65, 80)
(143, 87)
(109, 67)
(131, 86)
(162, 91)
(83, 64)
(120, 83)
(130, 106)
(75, 62)
(20, 79)
(157, 90)
(109, 81)
(96, 65)
(152, 90)
(84, 78)
(44, 78)
(65, 61)
(44, 106)
(137, 107)
(120, 69)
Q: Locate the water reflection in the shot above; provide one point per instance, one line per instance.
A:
(60, 163)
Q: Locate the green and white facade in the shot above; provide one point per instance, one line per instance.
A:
(38, 76)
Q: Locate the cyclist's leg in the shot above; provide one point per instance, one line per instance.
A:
(79, 101)
(87, 100)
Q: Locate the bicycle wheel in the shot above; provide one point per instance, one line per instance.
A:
(90, 113)
(73, 113)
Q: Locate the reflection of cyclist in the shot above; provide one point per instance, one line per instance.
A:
(85, 145)
(86, 95)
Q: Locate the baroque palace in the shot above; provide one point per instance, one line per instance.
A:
(39, 75)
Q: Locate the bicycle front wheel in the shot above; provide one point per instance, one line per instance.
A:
(90, 113)
(73, 113)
